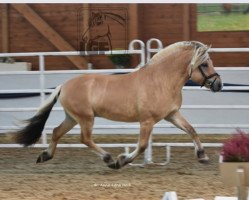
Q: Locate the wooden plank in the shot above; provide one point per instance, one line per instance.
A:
(133, 22)
(133, 29)
(186, 22)
(5, 28)
(86, 15)
(49, 33)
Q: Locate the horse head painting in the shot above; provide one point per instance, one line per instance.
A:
(101, 31)
(147, 96)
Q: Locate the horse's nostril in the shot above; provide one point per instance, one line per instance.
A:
(220, 85)
(216, 86)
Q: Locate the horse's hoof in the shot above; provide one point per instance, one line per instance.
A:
(114, 165)
(45, 156)
(110, 162)
(202, 157)
(108, 159)
(204, 161)
(121, 161)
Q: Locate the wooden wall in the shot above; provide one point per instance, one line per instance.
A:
(162, 21)
(168, 22)
(1, 30)
(222, 39)
(23, 37)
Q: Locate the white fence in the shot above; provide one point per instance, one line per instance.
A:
(128, 128)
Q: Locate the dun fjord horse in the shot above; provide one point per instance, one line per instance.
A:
(146, 96)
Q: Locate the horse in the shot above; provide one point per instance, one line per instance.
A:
(147, 95)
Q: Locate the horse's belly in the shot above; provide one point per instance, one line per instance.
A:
(117, 114)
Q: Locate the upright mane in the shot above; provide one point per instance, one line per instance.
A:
(200, 52)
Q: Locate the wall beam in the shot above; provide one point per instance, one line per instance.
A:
(49, 33)
(186, 22)
(5, 28)
(133, 25)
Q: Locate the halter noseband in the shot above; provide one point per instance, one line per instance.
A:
(206, 78)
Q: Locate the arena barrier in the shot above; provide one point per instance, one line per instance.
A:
(127, 127)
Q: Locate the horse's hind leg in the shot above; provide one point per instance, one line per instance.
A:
(86, 125)
(179, 121)
(58, 132)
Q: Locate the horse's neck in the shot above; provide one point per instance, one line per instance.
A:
(173, 72)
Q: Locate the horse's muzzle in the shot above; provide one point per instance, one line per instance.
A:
(216, 85)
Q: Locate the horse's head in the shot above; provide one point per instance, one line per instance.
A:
(202, 69)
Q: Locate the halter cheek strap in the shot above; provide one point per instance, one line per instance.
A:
(206, 78)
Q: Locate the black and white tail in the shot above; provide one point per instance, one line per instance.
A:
(32, 132)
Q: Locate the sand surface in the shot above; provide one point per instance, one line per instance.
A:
(78, 174)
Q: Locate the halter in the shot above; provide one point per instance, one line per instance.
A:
(206, 78)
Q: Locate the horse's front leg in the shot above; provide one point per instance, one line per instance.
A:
(179, 121)
(145, 131)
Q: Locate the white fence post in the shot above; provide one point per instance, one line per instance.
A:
(148, 152)
(42, 88)
(142, 51)
(150, 50)
(42, 78)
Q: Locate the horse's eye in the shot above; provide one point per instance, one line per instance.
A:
(204, 65)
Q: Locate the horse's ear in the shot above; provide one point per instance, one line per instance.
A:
(209, 47)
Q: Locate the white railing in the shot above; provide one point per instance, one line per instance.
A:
(149, 50)
(42, 55)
